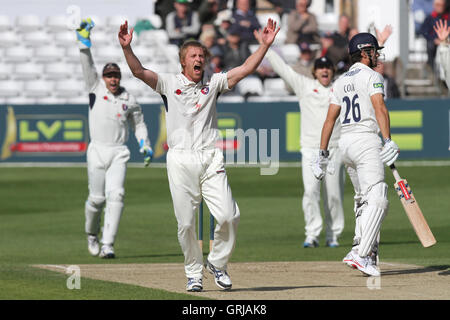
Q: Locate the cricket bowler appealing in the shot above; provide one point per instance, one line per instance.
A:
(358, 98)
(112, 111)
(195, 166)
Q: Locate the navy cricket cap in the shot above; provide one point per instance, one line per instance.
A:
(323, 62)
(111, 67)
(363, 40)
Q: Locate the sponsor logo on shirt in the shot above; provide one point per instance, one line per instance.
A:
(178, 92)
(205, 90)
(378, 85)
(124, 107)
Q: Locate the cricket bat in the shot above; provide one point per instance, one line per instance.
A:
(412, 210)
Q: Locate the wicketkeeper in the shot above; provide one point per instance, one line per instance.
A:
(112, 111)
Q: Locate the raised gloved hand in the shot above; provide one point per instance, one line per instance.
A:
(84, 32)
(147, 151)
(319, 164)
(389, 153)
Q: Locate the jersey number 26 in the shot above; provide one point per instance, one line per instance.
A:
(353, 106)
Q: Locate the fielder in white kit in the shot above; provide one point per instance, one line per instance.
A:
(313, 95)
(358, 99)
(195, 166)
(443, 50)
(112, 111)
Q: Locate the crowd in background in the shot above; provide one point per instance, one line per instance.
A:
(226, 28)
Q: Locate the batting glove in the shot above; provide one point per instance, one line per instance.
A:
(148, 153)
(84, 32)
(319, 164)
(389, 153)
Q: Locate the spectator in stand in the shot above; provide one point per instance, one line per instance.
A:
(235, 52)
(283, 6)
(252, 3)
(208, 37)
(338, 51)
(163, 8)
(305, 63)
(302, 24)
(340, 36)
(222, 24)
(183, 23)
(216, 60)
(440, 11)
(246, 21)
(208, 11)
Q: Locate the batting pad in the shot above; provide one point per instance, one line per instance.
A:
(372, 217)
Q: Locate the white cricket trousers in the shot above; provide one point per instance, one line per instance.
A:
(107, 167)
(333, 186)
(194, 175)
(361, 156)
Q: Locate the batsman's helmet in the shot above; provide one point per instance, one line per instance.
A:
(361, 41)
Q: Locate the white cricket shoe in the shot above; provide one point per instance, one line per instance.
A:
(194, 285)
(93, 245)
(107, 252)
(365, 265)
(221, 277)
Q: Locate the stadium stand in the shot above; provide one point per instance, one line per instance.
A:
(41, 50)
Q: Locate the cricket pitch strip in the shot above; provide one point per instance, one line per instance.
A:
(284, 280)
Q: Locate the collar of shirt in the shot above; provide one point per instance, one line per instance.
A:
(188, 83)
(319, 85)
(360, 65)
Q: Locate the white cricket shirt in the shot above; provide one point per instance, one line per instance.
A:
(314, 100)
(110, 116)
(191, 116)
(352, 91)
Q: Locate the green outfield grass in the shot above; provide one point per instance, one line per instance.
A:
(42, 222)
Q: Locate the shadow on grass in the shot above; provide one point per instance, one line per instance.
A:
(280, 288)
(389, 243)
(445, 271)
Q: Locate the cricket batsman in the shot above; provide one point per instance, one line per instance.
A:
(195, 166)
(112, 111)
(357, 98)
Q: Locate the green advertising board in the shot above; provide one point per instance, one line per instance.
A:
(60, 133)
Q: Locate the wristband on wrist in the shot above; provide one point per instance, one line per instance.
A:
(324, 153)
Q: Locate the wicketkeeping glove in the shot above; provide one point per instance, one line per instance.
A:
(148, 153)
(389, 153)
(84, 32)
(319, 164)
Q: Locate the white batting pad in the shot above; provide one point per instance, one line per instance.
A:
(372, 217)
